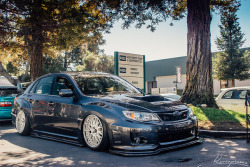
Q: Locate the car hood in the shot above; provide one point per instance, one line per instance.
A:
(148, 103)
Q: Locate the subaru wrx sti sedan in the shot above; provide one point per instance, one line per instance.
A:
(102, 111)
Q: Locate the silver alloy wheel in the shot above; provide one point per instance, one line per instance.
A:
(93, 131)
(20, 121)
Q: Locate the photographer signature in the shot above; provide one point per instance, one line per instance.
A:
(218, 160)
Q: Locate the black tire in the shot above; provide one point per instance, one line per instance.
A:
(103, 144)
(23, 131)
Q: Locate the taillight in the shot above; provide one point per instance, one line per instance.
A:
(6, 104)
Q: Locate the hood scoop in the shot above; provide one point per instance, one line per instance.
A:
(149, 98)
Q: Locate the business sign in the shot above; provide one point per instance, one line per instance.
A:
(178, 74)
(131, 67)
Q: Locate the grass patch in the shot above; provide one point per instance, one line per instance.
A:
(212, 118)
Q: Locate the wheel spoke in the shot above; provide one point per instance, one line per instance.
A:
(20, 121)
(93, 131)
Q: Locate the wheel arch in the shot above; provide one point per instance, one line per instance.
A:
(103, 118)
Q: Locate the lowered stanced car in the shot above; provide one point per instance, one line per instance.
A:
(102, 111)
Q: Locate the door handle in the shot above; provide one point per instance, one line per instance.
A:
(51, 103)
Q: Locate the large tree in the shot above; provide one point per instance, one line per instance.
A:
(232, 63)
(199, 83)
(45, 26)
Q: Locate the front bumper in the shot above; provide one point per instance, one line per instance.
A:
(138, 139)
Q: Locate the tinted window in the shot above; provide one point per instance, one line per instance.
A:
(33, 89)
(61, 83)
(103, 85)
(8, 91)
(241, 94)
(228, 95)
(44, 86)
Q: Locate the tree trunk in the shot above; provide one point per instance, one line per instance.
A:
(7, 75)
(199, 82)
(36, 55)
(36, 66)
(37, 41)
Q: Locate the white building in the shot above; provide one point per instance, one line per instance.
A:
(162, 74)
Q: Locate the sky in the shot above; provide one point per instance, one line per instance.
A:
(167, 41)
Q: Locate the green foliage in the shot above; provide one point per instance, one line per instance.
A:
(232, 63)
(226, 67)
(26, 79)
(53, 65)
(94, 62)
(105, 64)
(231, 37)
(11, 69)
(47, 27)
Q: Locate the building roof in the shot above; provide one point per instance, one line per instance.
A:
(164, 67)
(167, 67)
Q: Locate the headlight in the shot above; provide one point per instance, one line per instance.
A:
(190, 112)
(140, 116)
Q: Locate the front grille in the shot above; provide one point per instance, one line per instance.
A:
(173, 116)
(173, 136)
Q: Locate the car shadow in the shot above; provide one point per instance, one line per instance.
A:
(27, 151)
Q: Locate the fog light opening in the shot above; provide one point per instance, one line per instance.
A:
(140, 140)
(193, 131)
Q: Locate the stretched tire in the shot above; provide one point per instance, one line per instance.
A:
(22, 123)
(95, 133)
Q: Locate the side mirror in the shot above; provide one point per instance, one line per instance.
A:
(19, 88)
(66, 93)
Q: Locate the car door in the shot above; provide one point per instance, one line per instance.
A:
(226, 100)
(64, 111)
(238, 104)
(38, 97)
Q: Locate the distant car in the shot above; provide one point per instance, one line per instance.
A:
(171, 96)
(102, 111)
(233, 98)
(7, 96)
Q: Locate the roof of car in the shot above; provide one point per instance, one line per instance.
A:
(236, 88)
(86, 73)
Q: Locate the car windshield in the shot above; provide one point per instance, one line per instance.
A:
(8, 91)
(94, 85)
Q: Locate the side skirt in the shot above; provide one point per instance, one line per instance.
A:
(56, 137)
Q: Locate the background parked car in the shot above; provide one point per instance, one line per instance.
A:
(7, 96)
(233, 98)
(171, 96)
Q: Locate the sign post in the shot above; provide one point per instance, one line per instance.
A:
(178, 77)
(131, 67)
(247, 103)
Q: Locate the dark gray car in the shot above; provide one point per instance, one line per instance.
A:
(103, 111)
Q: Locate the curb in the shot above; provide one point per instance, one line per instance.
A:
(223, 134)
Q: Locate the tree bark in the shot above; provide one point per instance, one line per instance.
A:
(7, 75)
(199, 82)
(37, 41)
(36, 57)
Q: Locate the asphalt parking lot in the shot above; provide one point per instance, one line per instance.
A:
(16, 150)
